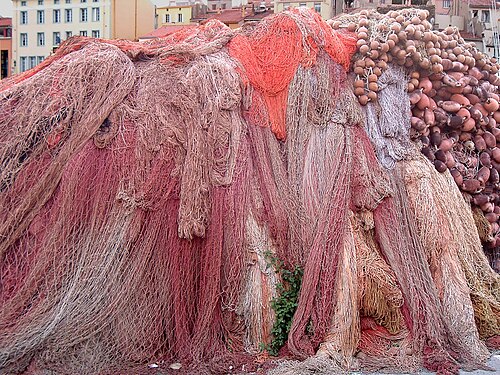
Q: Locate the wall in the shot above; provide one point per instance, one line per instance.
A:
(132, 18)
(440, 9)
(457, 14)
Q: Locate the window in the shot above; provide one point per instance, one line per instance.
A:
(24, 17)
(95, 1)
(23, 3)
(32, 61)
(69, 34)
(68, 15)
(23, 38)
(95, 34)
(446, 3)
(214, 6)
(40, 59)
(317, 7)
(167, 18)
(302, 4)
(83, 33)
(83, 1)
(40, 37)
(56, 2)
(40, 16)
(40, 2)
(496, 36)
(485, 16)
(84, 15)
(96, 14)
(180, 17)
(56, 37)
(224, 6)
(24, 65)
(68, 1)
(56, 16)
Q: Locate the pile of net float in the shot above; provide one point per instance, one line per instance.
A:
(453, 90)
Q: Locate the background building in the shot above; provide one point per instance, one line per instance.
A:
(178, 13)
(327, 8)
(482, 21)
(39, 26)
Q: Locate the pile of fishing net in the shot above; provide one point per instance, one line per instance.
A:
(219, 196)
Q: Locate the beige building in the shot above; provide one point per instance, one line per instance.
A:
(327, 8)
(129, 19)
(39, 26)
(175, 14)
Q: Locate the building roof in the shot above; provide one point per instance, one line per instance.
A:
(258, 16)
(227, 16)
(174, 3)
(481, 3)
(233, 16)
(165, 31)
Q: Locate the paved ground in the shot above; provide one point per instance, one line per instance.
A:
(494, 363)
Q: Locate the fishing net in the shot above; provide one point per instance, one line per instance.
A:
(149, 191)
(422, 195)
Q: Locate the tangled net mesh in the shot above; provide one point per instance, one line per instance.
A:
(145, 186)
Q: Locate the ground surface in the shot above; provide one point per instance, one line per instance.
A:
(494, 363)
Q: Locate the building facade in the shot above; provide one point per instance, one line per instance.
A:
(175, 14)
(5, 47)
(483, 19)
(39, 26)
(450, 13)
(327, 8)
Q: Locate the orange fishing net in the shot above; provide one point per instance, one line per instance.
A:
(271, 52)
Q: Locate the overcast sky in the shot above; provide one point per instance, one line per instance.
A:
(6, 8)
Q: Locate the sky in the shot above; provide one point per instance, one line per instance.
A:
(6, 8)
